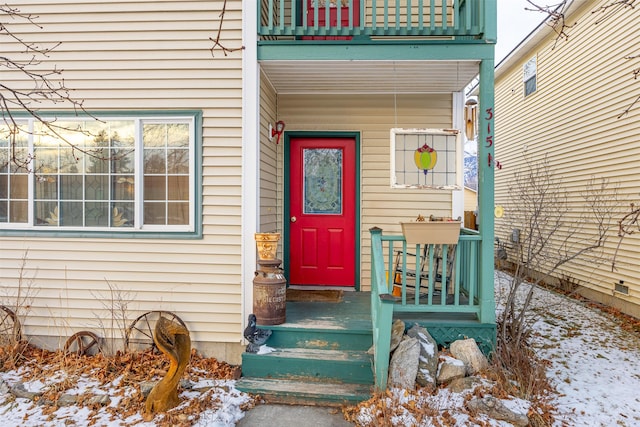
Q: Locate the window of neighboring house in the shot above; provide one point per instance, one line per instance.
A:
(426, 158)
(529, 72)
(116, 174)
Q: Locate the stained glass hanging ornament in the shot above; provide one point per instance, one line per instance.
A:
(425, 158)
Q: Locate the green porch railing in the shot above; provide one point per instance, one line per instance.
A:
(415, 272)
(310, 19)
(381, 311)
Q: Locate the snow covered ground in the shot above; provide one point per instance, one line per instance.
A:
(592, 363)
(23, 412)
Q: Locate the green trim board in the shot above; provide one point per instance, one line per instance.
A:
(286, 194)
(304, 392)
(197, 116)
(379, 50)
(349, 366)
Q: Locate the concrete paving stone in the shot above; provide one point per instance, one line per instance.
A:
(293, 416)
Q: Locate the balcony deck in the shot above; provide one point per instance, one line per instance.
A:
(304, 20)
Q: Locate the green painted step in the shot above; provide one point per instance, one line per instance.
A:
(295, 335)
(334, 365)
(305, 392)
(345, 325)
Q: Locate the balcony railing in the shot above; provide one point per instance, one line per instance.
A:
(420, 280)
(347, 19)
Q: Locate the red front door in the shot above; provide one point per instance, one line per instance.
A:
(333, 16)
(322, 211)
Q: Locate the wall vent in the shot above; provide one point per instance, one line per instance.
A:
(620, 287)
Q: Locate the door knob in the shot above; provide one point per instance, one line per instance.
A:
(294, 219)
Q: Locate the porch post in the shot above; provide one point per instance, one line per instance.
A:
(250, 155)
(486, 167)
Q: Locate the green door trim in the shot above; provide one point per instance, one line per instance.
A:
(286, 195)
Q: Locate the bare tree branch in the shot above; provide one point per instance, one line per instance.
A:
(557, 20)
(216, 40)
(551, 235)
(629, 224)
(636, 73)
(31, 84)
(47, 85)
(39, 86)
(626, 110)
(608, 10)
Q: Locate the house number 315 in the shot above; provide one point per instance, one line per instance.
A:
(489, 139)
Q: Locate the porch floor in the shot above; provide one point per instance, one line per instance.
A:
(347, 324)
(353, 312)
(350, 320)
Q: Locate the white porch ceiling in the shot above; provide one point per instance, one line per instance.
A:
(306, 77)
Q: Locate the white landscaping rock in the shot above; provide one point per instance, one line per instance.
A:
(397, 332)
(466, 384)
(450, 369)
(403, 368)
(468, 351)
(428, 366)
(495, 409)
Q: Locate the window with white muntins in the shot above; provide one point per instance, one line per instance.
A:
(112, 174)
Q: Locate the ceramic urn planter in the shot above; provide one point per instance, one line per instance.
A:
(267, 245)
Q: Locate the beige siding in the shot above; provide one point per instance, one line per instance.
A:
(470, 199)
(401, 8)
(583, 84)
(143, 55)
(268, 160)
(373, 116)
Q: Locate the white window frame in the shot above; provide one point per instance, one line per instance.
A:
(454, 179)
(530, 72)
(138, 200)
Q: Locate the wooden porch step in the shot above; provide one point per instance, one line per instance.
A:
(321, 354)
(291, 391)
(346, 366)
(321, 350)
(292, 335)
(329, 326)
